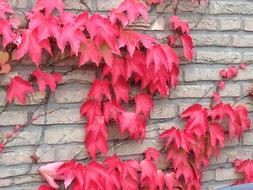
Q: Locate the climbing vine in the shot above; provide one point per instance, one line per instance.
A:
(124, 59)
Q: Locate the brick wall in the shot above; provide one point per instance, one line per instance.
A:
(223, 35)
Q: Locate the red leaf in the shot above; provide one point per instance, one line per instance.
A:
(157, 57)
(178, 139)
(49, 173)
(232, 72)
(135, 64)
(187, 46)
(179, 25)
(118, 70)
(217, 136)
(18, 88)
(133, 123)
(45, 187)
(244, 167)
(115, 15)
(112, 111)
(152, 154)
(99, 89)
(88, 52)
(31, 44)
(134, 9)
(150, 178)
(5, 8)
(96, 136)
(45, 79)
(130, 176)
(144, 104)
(221, 84)
(103, 32)
(48, 6)
(242, 120)
(90, 108)
(197, 119)
(170, 179)
(47, 26)
(121, 90)
(1, 147)
(243, 65)
(216, 97)
(130, 39)
(148, 41)
(7, 35)
(70, 34)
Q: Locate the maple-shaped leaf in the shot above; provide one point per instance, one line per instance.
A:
(99, 89)
(181, 164)
(103, 32)
(178, 25)
(244, 167)
(156, 56)
(115, 15)
(232, 72)
(135, 64)
(112, 110)
(72, 171)
(217, 136)
(197, 122)
(118, 70)
(121, 90)
(149, 176)
(7, 35)
(18, 88)
(133, 123)
(96, 136)
(48, 6)
(148, 41)
(49, 173)
(177, 139)
(130, 39)
(47, 26)
(95, 176)
(89, 52)
(130, 171)
(242, 120)
(134, 9)
(70, 34)
(90, 108)
(170, 179)
(45, 79)
(5, 8)
(152, 154)
(105, 52)
(187, 46)
(144, 104)
(114, 169)
(31, 44)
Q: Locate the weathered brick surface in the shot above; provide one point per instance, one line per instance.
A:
(222, 35)
(231, 7)
(230, 24)
(218, 56)
(248, 24)
(222, 174)
(242, 40)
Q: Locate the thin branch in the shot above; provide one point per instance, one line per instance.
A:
(86, 5)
